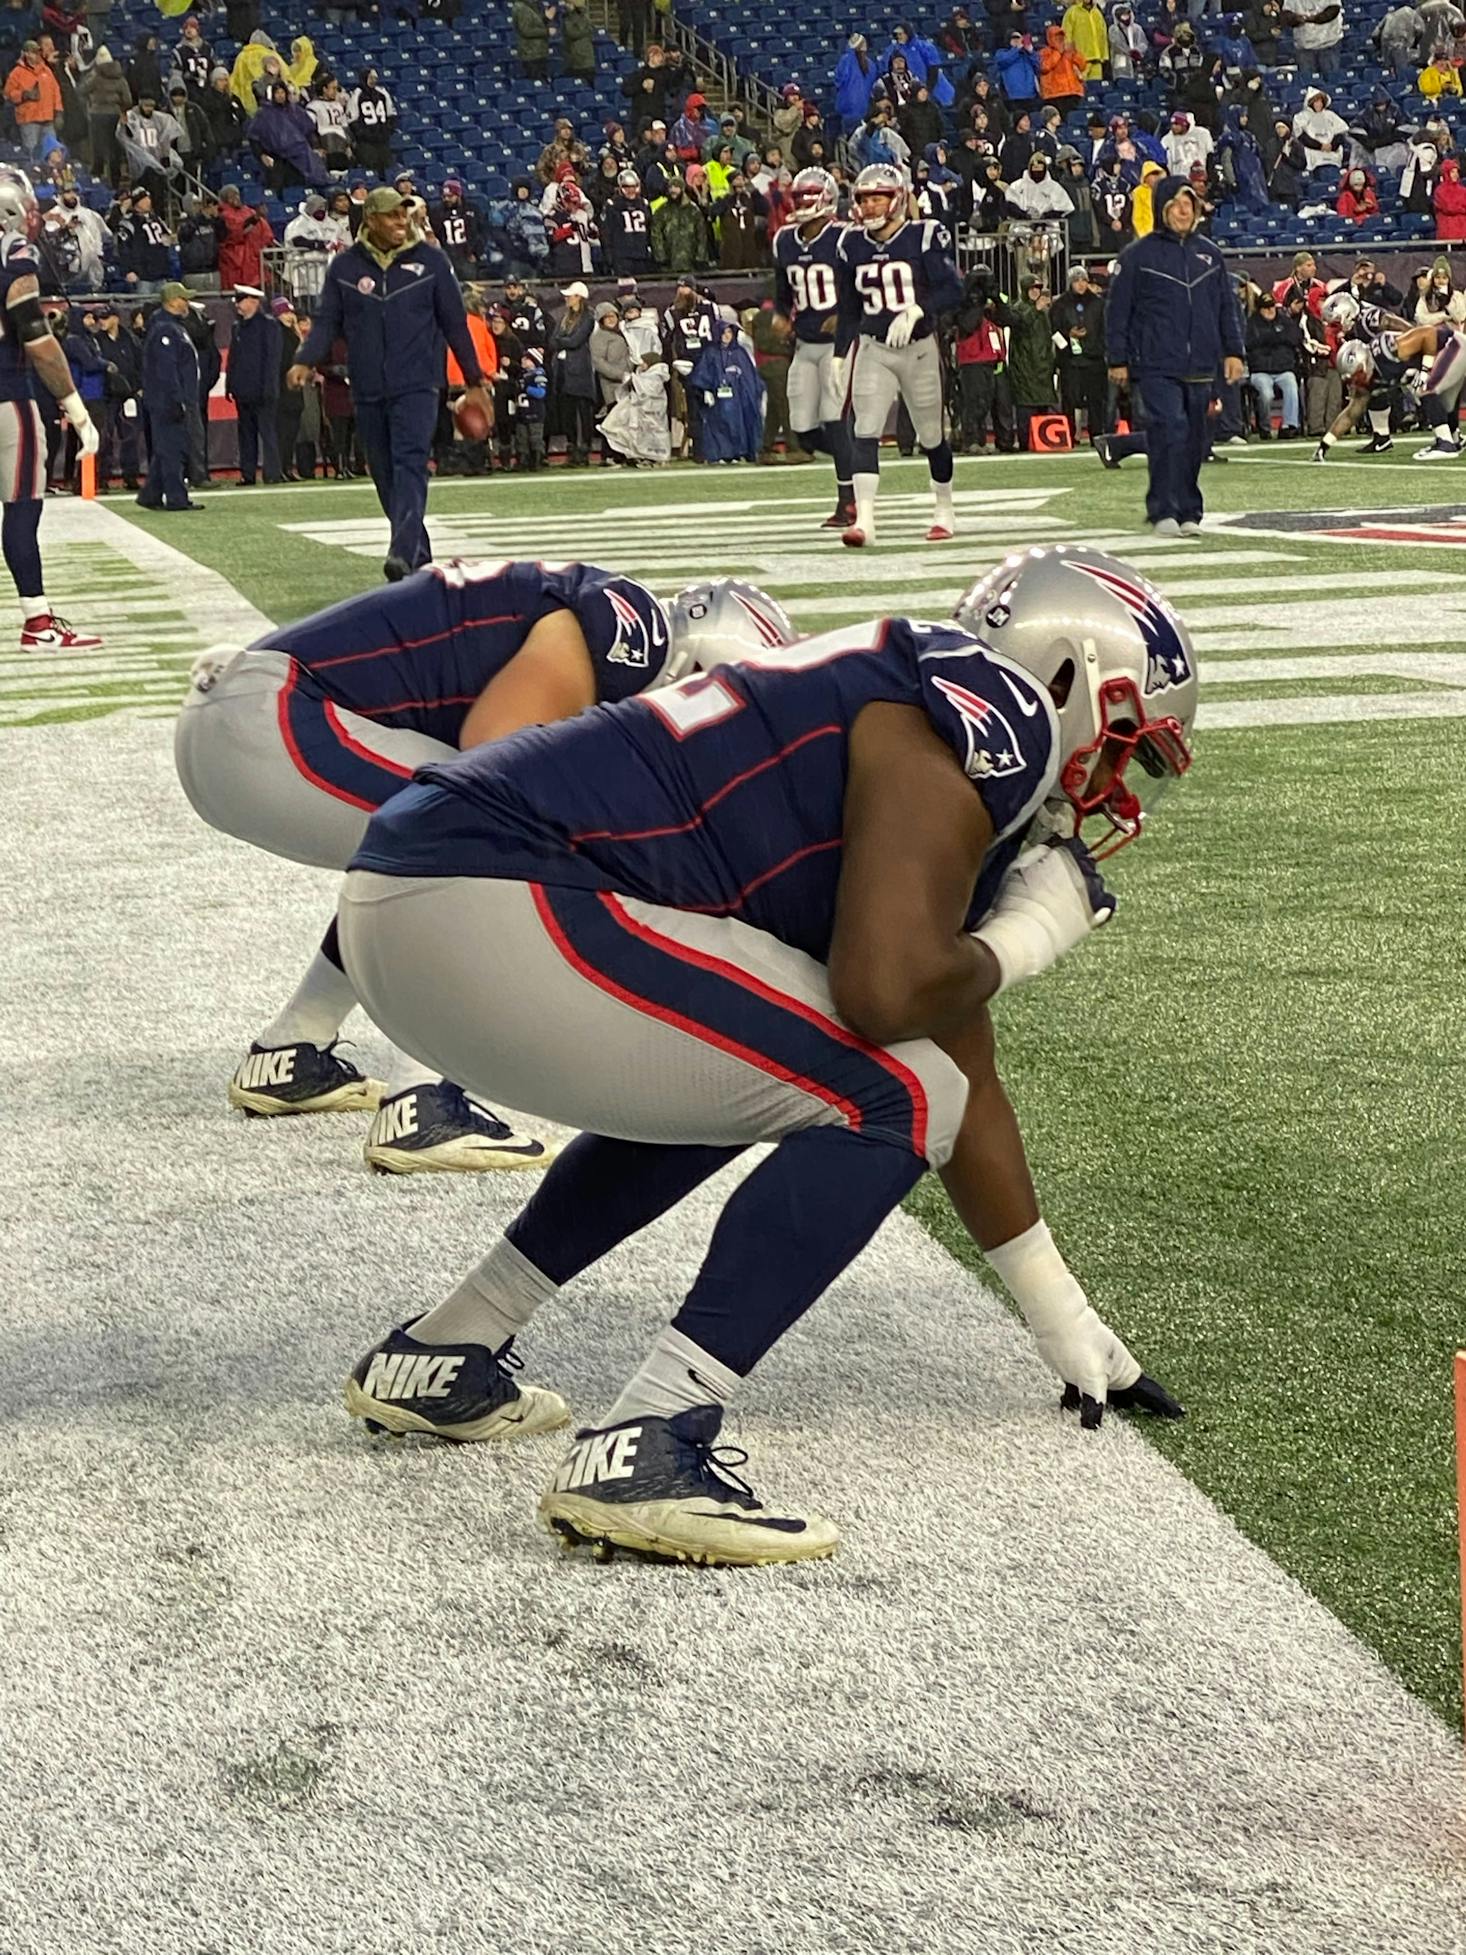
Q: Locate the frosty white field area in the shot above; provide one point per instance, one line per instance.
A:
(267, 1685)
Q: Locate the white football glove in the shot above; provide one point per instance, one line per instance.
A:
(1049, 901)
(899, 332)
(210, 666)
(75, 410)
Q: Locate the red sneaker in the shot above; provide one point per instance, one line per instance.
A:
(53, 634)
(843, 517)
(853, 538)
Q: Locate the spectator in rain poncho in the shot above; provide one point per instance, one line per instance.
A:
(1239, 160)
(637, 425)
(280, 135)
(1127, 44)
(731, 417)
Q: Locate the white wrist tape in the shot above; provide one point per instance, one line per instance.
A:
(74, 408)
(1039, 1281)
(1049, 901)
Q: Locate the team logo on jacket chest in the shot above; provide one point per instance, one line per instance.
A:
(993, 749)
(366, 285)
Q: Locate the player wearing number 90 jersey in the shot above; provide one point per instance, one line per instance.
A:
(807, 289)
(896, 277)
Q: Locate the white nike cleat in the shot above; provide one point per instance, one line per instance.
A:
(660, 1489)
(1439, 451)
(301, 1078)
(939, 533)
(52, 634)
(461, 1392)
(438, 1129)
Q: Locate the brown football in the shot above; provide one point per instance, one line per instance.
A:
(473, 423)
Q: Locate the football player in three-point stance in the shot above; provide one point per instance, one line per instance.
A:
(807, 288)
(1381, 350)
(769, 903)
(293, 743)
(30, 350)
(896, 277)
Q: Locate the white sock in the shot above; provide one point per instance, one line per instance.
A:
(315, 1015)
(35, 607)
(404, 1073)
(676, 1376)
(865, 503)
(942, 498)
(1379, 421)
(493, 1303)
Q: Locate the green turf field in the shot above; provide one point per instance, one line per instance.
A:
(1244, 1102)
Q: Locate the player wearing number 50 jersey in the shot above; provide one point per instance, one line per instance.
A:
(807, 289)
(896, 277)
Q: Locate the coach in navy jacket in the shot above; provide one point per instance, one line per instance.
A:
(1171, 322)
(397, 305)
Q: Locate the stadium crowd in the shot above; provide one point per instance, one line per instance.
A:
(987, 115)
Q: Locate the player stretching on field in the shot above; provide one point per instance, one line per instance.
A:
(896, 276)
(806, 287)
(29, 348)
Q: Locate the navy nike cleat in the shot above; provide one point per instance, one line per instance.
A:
(454, 1391)
(301, 1079)
(438, 1129)
(660, 1489)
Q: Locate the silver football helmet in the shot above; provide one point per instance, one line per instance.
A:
(814, 193)
(1354, 361)
(1117, 662)
(1340, 309)
(725, 621)
(883, 181)
(19, 212)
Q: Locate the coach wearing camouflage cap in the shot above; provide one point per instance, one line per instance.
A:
(396, 304)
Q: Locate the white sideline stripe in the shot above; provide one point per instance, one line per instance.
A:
(1322, 709)
(1161, 1742)
(208, 601)
(1439, 668)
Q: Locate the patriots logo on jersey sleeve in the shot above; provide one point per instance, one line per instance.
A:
(1166, 663)
(993, 749)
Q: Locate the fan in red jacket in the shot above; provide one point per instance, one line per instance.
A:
(1450, 201)
(243, 235)
(1358, 199)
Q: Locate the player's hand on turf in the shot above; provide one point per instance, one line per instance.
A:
(1098, 1370)
(905, 323)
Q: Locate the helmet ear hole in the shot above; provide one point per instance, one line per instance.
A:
(1062, 683)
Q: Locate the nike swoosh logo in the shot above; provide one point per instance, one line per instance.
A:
(1028, 707)
(753, 1520)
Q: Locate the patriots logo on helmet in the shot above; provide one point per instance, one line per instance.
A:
(641, 635)
(1166, 661)
(993, 749)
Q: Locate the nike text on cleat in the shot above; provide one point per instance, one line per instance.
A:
(301, 1079)
(661, 1490)
(460, 1392)
(855, 538)
(939, 533)
(438, 1129)
(53, 634)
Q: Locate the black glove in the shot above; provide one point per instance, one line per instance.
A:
(1145, 1395)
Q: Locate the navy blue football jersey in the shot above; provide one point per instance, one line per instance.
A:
(419, 653)
(725, 794)
(881, 277)
(807, 280)
(17, 260)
